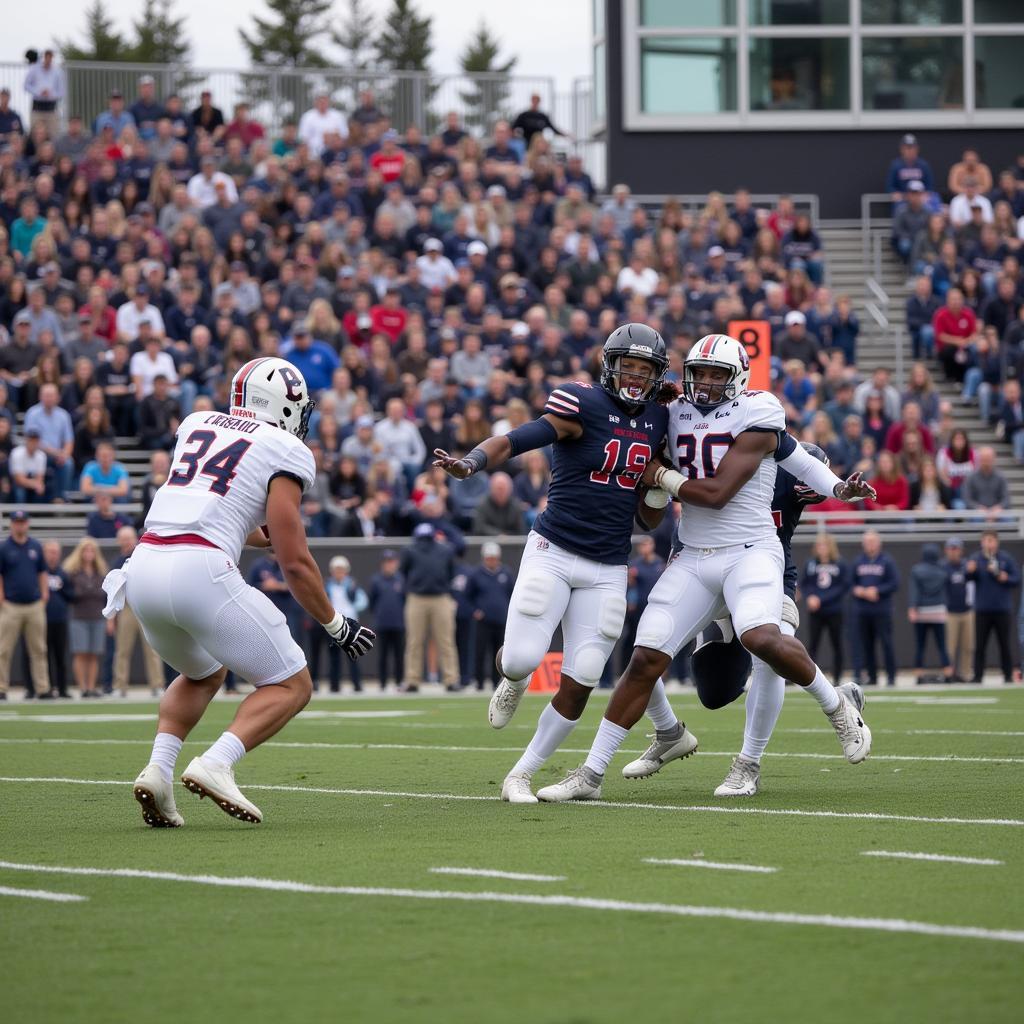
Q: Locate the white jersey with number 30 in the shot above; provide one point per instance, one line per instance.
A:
(220, 472)
(699, 440)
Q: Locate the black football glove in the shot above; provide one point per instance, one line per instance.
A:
(353, 639)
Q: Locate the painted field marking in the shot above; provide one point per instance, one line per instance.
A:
(82, 719)
(42, 894)
(757, 869)
(618, 805)
(884, 924)
(943, 858)
(515, 876)
(452, 749)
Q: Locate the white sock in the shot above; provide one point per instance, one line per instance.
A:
(227, 750)
(552, 729)
(165, 754)
(607, 741)
(823, 692)
(659, 711)
(764, 703)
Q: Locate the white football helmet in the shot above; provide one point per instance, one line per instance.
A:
(274, 391)
(717, 350)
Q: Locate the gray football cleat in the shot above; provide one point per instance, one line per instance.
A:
(854, 694)
(854, 735)
(580, 784)
(743, 779)
(516, 789)
(664, 748)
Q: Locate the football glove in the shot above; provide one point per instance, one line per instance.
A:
(353, 639)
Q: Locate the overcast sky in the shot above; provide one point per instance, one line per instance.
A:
(550, 37)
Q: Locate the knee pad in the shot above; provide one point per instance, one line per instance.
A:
(790, 612)
(720, 672)
(520, 659)
(655, 628)
(612, 616)
(587, 665)
(532, 596)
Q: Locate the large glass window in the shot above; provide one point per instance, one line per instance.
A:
(800, 74)
(912, 73)
(989, 12)
(687, 13)
(799, 12)
(911, 12)
(692, 75)
(999, 72)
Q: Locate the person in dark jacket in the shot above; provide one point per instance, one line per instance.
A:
(996, 575)
(959, 612)
(387, 602)
(926, 608)
(643, 573)
(825, 582)
(875, 580)
(489, 591)
(465, 624)
(921, 307)
(428, 565)
(57, 615)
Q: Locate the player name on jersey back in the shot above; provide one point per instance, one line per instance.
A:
(699, 438)
(221, 470)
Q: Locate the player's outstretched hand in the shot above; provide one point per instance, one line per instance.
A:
(353, 639)
(854, 488)
(458, 468)
(668, 393)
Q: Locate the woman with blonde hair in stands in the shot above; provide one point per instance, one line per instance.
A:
(117, 219)
(161, 187)
(921, 389)
(324, 325)
(715, 215)
(86, 568)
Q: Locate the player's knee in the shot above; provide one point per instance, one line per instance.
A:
(587, 664)
(571, 698)
(655, 628)
(646, 664)
(300, 686)
(764, 642)
(521, 657)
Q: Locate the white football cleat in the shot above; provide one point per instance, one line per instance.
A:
(854, 693)
(155, 796)
(504, 702)
(743, 779)
(660, 752)
(516, 789)
(854, 735)
(580, 784)
(217, 781)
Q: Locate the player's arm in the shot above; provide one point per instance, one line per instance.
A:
(650, 510)
(816, 475)
(288, 537)
(259, 538)
(494, 451)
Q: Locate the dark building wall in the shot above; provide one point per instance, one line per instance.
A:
(837, 165)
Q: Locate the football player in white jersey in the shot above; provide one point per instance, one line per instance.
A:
(726, 443)
(236, 479)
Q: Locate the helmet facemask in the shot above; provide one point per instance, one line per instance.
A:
(640, 387)
(704, 392)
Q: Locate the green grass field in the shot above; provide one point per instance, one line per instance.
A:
(361, 807)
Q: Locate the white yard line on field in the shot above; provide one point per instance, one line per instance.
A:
(612, 804)
(83, 719)
(756, 869)
(883, 924)
(515, 876)
(452, 749)
(943, 858)
(42, 894)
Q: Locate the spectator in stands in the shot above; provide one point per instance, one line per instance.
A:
(499, 513)
(1010, 425)
(960, 612)
(928, 243)
(986, 488)
(387, 603)
(910, 220)
(964, 204)
(398, 439)
(61, 593)
(890, 484)
(27, 468)
(428, 566)
(926, 609)
(315, 359)
(133, 316)
(146, 111)
(18, 359)
(955, 462)
(928, 491)
(875, 423)
(104, 521)
(826, 580)
(967, 169)
(908, 167)
(983, 376)
(910, 421)
(10, 119)
(159, 416)
(321, 121)
(1000, 310)
(956, 329)
(202, 187)
(797, 343)
(802, 243)
(86, 568)
(996, 575)
(105, 473)
(921, 308)
(799, 392)
(489, 591)
(24, 589)
(159, 470)
(875, 580)
(921, 391)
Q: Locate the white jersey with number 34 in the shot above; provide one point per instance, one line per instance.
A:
(220, 472)
(699, 440)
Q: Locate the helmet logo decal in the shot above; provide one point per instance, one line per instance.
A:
(293, 382)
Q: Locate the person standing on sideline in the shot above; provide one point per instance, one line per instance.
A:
(428, 566)
(44, 82)
(996, 575)
(57, 614)
(875, 580)
(387, 602)
(644, 571)
(23, 597)
(465, 624)
(926, 609)
(489, 591)
(825, 583)
(126, 631)
(86, 568)
(959, 612)
(348, 599)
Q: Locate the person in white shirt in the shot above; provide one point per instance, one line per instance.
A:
(400, 440)
(132, 315)
(436, 270)
(202, 187)
(637, 278)
(960, 206)
(320, 121)
(28, 469)
(44, 82)
(150, 363)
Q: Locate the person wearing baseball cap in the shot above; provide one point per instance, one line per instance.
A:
(908, 167)
(797, 342)
(387, 602)
(23, 612)
(348, 599)
(489, 590)
(959, 612)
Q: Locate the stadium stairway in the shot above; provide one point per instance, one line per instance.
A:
(876, 346)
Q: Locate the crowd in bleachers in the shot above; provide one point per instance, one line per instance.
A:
(432, 291)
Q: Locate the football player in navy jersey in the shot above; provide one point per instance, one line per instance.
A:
(573, 569)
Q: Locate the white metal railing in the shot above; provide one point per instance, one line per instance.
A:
(871, 239)
(913, 524)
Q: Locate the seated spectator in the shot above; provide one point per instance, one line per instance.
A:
(159, 470)
(921, 389)
(27, 470)
(955, 462)
(946, 270)
(986, 488)
(1000, 310)
(956, 329)
(139, 310)
(920, 310)
(530, 486)
(104, 521)
(876, 423)
(823, 434)
(910, 420)
(315, 359)
(966, 201)
(908, 167)
(159, 416)
(984, 374)
(848, 445)
(928, 243)
(891, 487)
(969, 168)
(796, 343)
(499, 513)
(56, 437)
(150, 362)
(1010, 425)
(801, 242)
(929, 492)
(846, 330)
(799, 392)
(104, 473)
(398, 440)
(911, 220)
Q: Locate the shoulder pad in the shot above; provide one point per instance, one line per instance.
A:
(762, 409)
(565, 400)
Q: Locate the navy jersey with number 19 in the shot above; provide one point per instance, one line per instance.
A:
(592, 498)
